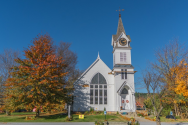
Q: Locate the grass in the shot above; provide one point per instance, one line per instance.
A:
(58, 117)
(93, 118)
(20, 113)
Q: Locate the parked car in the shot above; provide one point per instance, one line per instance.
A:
(170, 117)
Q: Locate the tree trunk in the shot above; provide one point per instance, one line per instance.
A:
(158, 122)
(37, 113)
(7, 112)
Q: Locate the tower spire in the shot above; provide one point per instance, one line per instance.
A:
(98, 56)
(120, 28)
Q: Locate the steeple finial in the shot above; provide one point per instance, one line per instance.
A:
(120, 28)
(119, 11)
(98, 56)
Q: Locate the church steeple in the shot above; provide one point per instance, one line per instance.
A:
(120, 28)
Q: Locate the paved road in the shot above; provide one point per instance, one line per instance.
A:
(78, 123)
(47, 123)
(163, 123)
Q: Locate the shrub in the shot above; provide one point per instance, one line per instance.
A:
(140, 114)
(68, 119)
(33, 117)
(117, 113)
(95, 122)
(133, 123)
(86, 113)
(101, 123)
(104, 109)
(90, 109)
(178, 117)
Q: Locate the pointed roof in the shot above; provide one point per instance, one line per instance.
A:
(89, 68)
(120, 29)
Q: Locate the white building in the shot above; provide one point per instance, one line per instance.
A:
(100, 87)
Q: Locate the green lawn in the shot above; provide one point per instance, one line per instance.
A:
(20, 113)
(20, 117)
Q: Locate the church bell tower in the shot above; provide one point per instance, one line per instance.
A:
(123, 70)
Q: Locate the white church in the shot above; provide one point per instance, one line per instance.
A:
(100, 87)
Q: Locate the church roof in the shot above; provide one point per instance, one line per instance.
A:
(90, 67)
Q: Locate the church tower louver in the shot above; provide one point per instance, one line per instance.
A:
(123, 70)
(100, 87)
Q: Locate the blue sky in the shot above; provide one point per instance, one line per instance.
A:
(89, 25)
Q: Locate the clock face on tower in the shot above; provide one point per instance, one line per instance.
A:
(122, 41)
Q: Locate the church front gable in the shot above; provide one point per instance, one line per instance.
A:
(97, 90)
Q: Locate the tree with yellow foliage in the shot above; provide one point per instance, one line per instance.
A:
(181, 88)
(181, 79)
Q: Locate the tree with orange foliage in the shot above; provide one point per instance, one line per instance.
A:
(38, 82)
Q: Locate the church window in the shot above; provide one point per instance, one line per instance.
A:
(100, 96)
(122, 57)
(124, 91)
(91, 92)
(91, 86)
(98, 90)
(123, 73)
(91, 96)
(96, 86)
(96, 96)
(105, 96)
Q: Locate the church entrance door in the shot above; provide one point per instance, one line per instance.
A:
(123, 101)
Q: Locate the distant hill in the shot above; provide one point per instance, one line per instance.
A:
(143, 95)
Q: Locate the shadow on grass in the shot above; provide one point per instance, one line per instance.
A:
(52, 116)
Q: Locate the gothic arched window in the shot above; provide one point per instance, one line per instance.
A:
(124, 91)
(98, 90)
